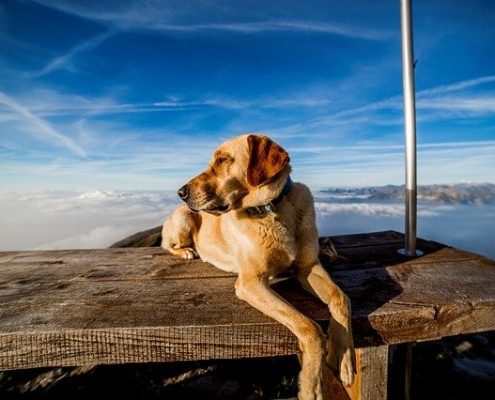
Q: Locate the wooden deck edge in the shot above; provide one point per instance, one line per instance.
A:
(169, 344)
(142, 345)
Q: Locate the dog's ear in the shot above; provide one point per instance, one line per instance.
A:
(266, 159)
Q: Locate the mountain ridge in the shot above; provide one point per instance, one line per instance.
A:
(459, 193)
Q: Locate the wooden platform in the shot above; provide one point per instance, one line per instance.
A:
(83, 307)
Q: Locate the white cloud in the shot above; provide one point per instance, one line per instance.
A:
(439, 101)
(371, 209)
(88, 219)
(45, 130)
(283, 26)
(65, 61)
(472, 104)
(121, 157)
(49, 103)
(176, 17)
(382, 163)
(436, 103)
(456, 86)
(96, 219)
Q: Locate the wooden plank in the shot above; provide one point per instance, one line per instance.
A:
(28, 267)
(145, 305)
(444, 299)
(370, 255)
(107, 304)
(364, 239)
(141, 345)
(363, 257)
(371, 377)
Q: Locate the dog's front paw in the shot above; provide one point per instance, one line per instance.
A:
(341, 358)
(347, 368)
(186, 252)
(190, 254)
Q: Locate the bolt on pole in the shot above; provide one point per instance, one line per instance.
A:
(409, 129)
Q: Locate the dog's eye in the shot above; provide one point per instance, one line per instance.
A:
(220, 160)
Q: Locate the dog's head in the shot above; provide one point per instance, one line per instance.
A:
(246, 171)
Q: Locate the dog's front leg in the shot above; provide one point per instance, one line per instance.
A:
(313, 378)
(341, 356)
(177, 233)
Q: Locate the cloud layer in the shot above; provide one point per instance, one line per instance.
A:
(96, 219)
(88, 219)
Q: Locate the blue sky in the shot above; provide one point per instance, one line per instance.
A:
(136, 94)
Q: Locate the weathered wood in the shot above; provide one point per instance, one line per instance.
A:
(82, 307)
(140, 345)
(371, 379)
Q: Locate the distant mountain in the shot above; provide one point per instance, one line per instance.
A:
(148, 238)
(462, 193)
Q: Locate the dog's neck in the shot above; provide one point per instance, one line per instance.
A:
(271, 206)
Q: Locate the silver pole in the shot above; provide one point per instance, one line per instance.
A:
(409, 127)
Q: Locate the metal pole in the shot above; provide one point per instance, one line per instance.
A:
(409, 128)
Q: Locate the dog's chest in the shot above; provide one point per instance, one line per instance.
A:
(268, 242)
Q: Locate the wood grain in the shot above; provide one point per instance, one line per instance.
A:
(82, 307)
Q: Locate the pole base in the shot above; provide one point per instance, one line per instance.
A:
(406, 253)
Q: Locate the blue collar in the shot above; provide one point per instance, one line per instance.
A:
(270, 207)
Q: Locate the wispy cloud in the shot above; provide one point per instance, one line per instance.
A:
(44, 130)
(385, 147)
(475, 105)
(351, 31)
(429, 99)
(469, 83)
(129, 20)
(161, 16)
(120, 159)
(50, 103)
(383, 163)
(435, 103)
(65, 61)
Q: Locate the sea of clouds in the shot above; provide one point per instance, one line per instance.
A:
(96, 218)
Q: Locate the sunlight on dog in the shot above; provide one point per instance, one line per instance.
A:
(245, 215)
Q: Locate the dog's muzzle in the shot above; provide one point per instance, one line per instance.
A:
(211, 206)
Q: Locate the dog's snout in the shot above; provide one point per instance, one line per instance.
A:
(183, 192)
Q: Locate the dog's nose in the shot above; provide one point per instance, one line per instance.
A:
(183, 192)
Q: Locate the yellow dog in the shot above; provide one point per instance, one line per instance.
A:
(244, 214)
